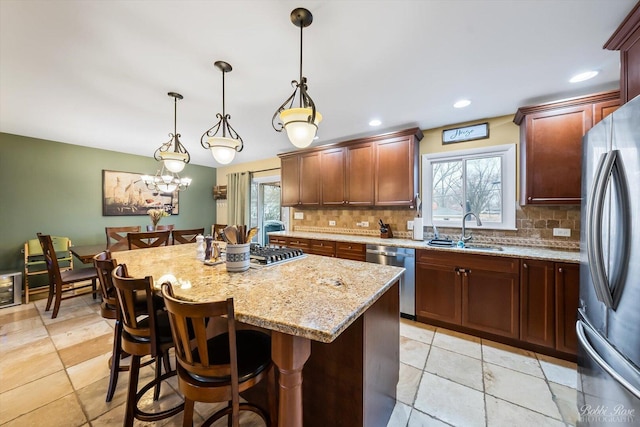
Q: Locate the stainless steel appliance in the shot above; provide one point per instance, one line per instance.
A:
(609, 310)
(399, 257)
(10, 288)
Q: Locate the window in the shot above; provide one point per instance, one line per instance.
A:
(482, 181)
(265, 204)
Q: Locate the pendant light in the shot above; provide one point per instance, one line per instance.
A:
(301, 123)
(172, 153)
(223, 147)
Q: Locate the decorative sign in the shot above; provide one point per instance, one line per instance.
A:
(467, 133)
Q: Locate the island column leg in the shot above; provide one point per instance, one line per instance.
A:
(289, 353)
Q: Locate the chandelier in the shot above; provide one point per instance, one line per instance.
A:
(301, 123)
(174, 157)
(225, 146)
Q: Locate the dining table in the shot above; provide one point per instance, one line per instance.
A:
(85, 253)
(307, 302)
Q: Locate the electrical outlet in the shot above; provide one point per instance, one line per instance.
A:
(332, 223)
(409, 225)
(298, 215)
(365, 223)
(562, 232)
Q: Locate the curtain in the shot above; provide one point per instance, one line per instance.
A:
(238, 198)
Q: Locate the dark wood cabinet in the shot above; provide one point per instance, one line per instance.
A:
(537, 302)
(322, 247)
(626, 39)
(380, 170)
(353, 251)
(567, 278)
(551, 146)
(300, 180)
(479, 292)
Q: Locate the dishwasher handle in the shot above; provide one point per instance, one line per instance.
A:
(390, 254)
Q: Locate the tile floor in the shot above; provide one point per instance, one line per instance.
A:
(54, 372)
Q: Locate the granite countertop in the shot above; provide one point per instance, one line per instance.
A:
(507, 251)
(314, 297)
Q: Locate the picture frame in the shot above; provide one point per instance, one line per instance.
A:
(466, 133)
(125, 194)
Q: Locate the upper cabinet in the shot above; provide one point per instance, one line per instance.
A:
(551, 146)
(626, 39)
(375, 171)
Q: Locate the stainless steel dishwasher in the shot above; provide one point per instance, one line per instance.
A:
(399, 257)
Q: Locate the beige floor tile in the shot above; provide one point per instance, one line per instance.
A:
(86, 350)
(511, 357)
(20, 325)
(413, 352)
(458, 342)
(565, 398)
(501, 413)
(522, 389)
(89, 371)
(21, 366)
(65, 412)
(417, 331)
(78, 335)
(41, 392)
(19, 318)
(408, 384)
(400, 415)
(418, 419)
(21, 339)
(67, 311)
(450, 402)
(559, 371)
(456, 367)
(76, 322)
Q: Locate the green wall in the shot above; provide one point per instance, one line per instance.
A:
(56, 188)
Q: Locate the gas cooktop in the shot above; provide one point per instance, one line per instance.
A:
(270, 255)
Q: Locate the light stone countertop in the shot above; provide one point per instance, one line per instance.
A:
(314, 297)
(508, 251)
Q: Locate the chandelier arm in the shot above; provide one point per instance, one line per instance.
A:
(211, 132)
(308, 102)
(289, 101)
(233, 134)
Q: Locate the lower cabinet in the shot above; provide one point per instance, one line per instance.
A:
(549, 304)
(353, 251)
(480, 292)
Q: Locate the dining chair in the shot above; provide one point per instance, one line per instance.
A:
(218, 368)
(148, 239)
(146, 332)
(61, 280)
(160, 227)
(215, 231)
(186, 236)
(35, 265)
(117, 237)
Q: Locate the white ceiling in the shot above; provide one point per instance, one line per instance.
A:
(97, 73)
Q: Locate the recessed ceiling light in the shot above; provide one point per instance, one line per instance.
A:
(583, 76)
(462, 103)
(375, 122)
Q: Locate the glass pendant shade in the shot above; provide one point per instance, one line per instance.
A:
(296, 123)
(175, 162)
(223, 149)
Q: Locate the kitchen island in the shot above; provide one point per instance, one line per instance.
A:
(341, 316)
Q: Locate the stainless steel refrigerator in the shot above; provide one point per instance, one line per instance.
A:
(608, 324)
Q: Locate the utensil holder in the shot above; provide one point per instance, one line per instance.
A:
(238, 257)
(387, 234)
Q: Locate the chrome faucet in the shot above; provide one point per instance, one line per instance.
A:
(436, 234)
(464, 237)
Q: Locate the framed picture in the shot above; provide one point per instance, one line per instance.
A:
(125, 194)
(467, 133)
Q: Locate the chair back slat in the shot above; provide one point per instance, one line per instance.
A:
(186, 236)
(50, 258)
(148, 239)
(117, 237)
(105, 265)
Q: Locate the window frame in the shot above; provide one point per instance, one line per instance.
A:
(507, 154)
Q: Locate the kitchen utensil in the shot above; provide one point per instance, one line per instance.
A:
(230, 234)
(252, 233)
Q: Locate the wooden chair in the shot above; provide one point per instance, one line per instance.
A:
(146, 331)
(35, 265)
(117, 237)
(148, 239)
(186, 236)
(215, 231)
(63, 280)
(160, 227)
(218, 369)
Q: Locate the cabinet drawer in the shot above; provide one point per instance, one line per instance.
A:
(277, 240)
(354, 251)
(293, 242)
(322, 247)
(469, 261)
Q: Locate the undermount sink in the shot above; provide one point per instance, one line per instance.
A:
(472, 246)
(482, 247)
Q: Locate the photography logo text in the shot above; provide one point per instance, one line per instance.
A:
(606, 414)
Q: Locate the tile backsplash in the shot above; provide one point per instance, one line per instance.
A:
(534, 224)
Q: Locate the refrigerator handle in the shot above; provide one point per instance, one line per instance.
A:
(595, 212)
(617, 276)
(593, 354)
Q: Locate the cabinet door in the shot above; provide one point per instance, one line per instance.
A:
(396, 164)
(359, 175)
(552, 156)
(603, 109)
(537, 302)
(567, 296)
(490, 301)
(438, 293)
(332, 177)
(290, 181)
(309, 179)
